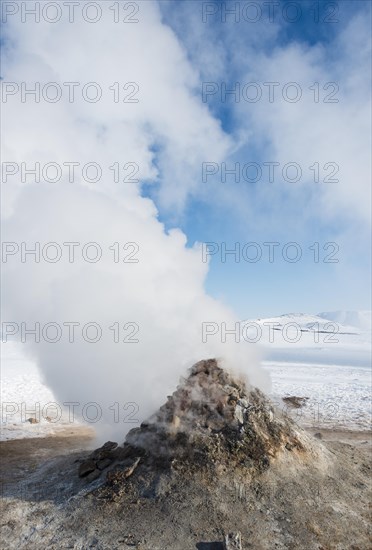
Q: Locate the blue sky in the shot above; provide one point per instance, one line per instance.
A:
(171, 133)
(175, 52)
(303, 212)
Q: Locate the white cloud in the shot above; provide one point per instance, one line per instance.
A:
(169, 113)
(164, 292)
(303, 132)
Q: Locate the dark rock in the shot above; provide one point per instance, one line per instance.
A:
(106, 451)
(295, 402)
(318, 435)
(93, 475)
(105, 463)
(86, 467)
(109, 446)
(32, 421)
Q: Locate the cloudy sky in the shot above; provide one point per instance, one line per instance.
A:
(150, 128)
(296, 132)
(331, 129)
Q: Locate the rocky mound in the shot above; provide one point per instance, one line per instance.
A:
(211, 421)
(217, 467)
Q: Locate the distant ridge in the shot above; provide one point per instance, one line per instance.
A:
(359, 319)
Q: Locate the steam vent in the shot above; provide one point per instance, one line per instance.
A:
(217, 467)
(212, 422)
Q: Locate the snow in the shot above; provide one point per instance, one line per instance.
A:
(339, 396)
(24, 396)
(318, 357)
(314, 356)
(359, 319)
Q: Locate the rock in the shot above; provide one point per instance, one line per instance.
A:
(221, 404)
(32, 421)
(232, 392)
(86, 467)
(239, 414)
(109, 446)
(119, 475)
(318, 435)
(295, 402)
(93, 475)
(233, 541)
(104, 463)
(106, 451)
(176, 421)
(129, 471)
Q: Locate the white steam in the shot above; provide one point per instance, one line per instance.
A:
(163, 293)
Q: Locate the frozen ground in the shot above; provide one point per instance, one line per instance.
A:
(318, 357)
(307, 356)
(24, 396)
(339, 395)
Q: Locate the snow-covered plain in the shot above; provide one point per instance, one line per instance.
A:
(24, 396)
(313, 356)
(318, 357)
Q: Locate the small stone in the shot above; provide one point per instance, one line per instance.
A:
(318, 435)
(295, 402)
(109, 446)
(93, 475)
(233, 541)
(221, 404)
(176, 421)
(120, 474)
(232, 392)
(129, 471)
(32, 420)
(86, 467)
(239, 414)
(104, 463)
(105, 451)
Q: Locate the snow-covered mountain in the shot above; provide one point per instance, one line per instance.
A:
(358, 319)
(302, 337)
(342, 322)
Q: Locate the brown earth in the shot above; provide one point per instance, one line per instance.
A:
(216, 458)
